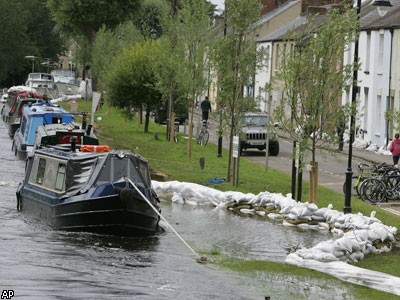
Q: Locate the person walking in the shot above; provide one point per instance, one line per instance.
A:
(205, 106)
(395, 148)
(340, 128)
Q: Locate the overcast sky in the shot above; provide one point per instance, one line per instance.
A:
(219, 3)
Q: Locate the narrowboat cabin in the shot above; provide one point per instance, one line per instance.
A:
(80, 190)
(14, 120)
(33, 117)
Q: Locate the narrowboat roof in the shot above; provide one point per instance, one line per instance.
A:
(44, 109)
(64, 153)
(86, 168)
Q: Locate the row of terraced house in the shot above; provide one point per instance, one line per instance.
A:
(379, 55)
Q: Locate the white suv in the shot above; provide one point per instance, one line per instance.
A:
(253, 132)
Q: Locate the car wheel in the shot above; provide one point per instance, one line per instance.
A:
(274, 149)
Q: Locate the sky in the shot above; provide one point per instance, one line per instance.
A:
(219, 3)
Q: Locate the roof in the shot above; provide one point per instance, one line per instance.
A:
(370, 18)
(276, 12)
(297, 24)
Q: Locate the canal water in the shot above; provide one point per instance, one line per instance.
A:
(39, 263)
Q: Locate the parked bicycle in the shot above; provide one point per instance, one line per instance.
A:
(382, 188)
(204, 134)
(365, 171)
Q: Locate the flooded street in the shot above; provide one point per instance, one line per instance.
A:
(39, 263)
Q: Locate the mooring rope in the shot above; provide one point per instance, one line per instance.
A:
(199, 259)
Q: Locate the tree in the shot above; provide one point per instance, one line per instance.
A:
(194, 35)
(26, 29)
(76, 17)
(132, 79)
(235, 58)
(109, 44)
(314, 79)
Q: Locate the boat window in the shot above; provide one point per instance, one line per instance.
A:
(144, 169)
(116, 168)
(60, 177)
(40, 172)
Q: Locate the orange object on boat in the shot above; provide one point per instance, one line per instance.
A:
(95, 148)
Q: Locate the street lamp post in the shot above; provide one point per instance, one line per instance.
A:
(382, 6)
(32, 57)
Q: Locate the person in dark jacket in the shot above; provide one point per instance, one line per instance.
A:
(395, 148)
(205, 106)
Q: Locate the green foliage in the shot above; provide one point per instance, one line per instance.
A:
(132, 79)
(314, 78)
(108, 45)
(235, 59)
(26, 29)
(76, 17)
(234, 56)
(393, 116)
(148, 19)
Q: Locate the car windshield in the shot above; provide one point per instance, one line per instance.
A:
(255, 120)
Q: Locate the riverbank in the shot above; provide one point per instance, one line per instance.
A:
(172, 159)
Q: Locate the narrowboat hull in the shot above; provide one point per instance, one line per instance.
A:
(114, 215)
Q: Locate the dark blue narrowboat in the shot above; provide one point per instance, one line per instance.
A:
(87, 188)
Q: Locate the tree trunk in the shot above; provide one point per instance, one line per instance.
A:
(146, 120)
(313, 194)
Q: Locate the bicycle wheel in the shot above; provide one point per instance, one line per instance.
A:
(205, 138)
(200, 138)
(374, 190)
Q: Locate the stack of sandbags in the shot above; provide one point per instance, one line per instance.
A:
(356, 235)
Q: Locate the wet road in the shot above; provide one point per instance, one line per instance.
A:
(39, 263)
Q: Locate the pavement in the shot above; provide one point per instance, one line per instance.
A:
(371, 157)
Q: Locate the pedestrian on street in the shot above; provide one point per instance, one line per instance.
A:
(340, 128)
(395, 149)
(205, 106)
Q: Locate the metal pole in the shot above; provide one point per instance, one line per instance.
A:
(349, 171)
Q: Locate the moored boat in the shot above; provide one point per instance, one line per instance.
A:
(79, 190)
(43, 83)
(61, 134)
(32, 117)
(14, 119)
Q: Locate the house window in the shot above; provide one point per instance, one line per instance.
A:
(40, 172)
(378, 115)
(368, 53)
(60, 178)
(381, 52)
(366, 101)
(277, 58)
(267, 57)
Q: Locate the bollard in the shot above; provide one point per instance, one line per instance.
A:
(155, 136)
(202, 162)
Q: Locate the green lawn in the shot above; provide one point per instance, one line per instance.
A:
(120, 132)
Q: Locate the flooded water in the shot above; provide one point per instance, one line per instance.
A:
(39, 263)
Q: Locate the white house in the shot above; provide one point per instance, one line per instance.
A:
(378, 59)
